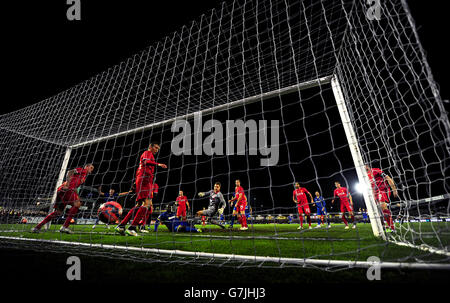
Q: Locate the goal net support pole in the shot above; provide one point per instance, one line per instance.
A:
(60, 180)
(363, 178)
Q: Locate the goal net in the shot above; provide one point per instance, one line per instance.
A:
(335, 97)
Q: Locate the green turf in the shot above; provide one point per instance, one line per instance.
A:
(274, 240)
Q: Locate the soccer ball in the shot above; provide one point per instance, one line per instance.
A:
(109, 212)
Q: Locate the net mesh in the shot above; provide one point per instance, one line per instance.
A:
(268, 64)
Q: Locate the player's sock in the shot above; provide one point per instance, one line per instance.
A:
(244, 221)
(353, 219)
(301, 221)
(139, 215)
(47, 219)
(128, 216)
(388, 218)
(240, 219)
(344, 219)
(232, 220)
(146, 217)
(309, 219)
(72, 212)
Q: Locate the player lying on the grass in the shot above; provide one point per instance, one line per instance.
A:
(108, 213)
(67, 195)
(346, 203)
(239, 208)
(182, 203)
(381, 186)
(299, 198)
(321, 210)
(174, 224)
(144, 191)
(216, 204)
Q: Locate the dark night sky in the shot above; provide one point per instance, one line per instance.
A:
(44, 54)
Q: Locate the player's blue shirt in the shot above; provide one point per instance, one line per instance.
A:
(170, 220)
(172, 223)
(364, 214)
(320, 202)
(110, 198)
(247, 210)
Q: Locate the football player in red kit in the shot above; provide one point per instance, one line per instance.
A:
(381, 187)
(299, 198)
(346, 203)
(67, 195)
(241, 203)
(182, 203)
(144, 190)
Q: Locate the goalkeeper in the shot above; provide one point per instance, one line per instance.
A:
(216, 204)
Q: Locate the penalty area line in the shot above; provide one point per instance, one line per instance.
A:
(248, 258)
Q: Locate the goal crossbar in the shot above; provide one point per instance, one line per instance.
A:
(222, 107)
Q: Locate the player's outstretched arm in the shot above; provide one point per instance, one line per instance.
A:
(223, 204)
(392, 185)
(202, 194)
(124, 193)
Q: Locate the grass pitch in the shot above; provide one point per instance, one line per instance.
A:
(273, 240)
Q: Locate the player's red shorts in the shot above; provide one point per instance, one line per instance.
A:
(65, 197)
(345, 206)
(144, 187)
(382, 196)
(303, 207)
(240, 206)
(181, 211)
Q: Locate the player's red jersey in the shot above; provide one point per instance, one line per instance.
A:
(238, 191)
(76, 179)
(300, 195)
(376, 177)
(182, 201)
(342, 193)
(380, 188)
(147, 164)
